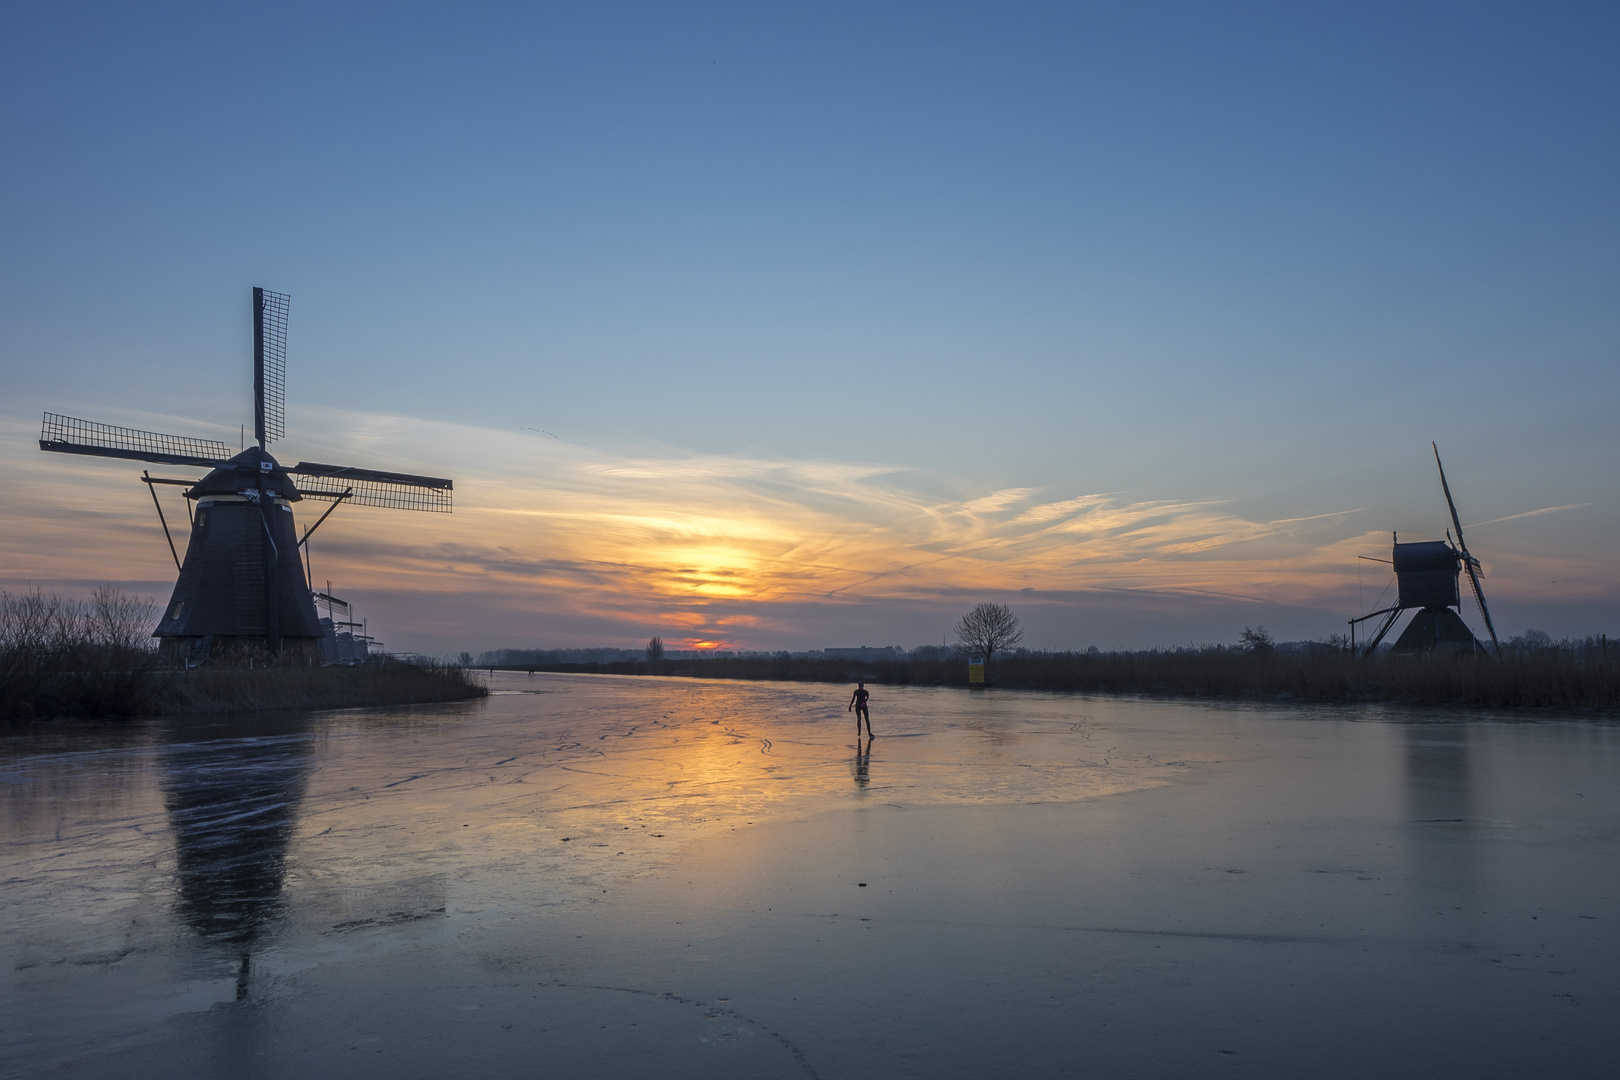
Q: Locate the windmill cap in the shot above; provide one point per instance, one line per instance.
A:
(244, 471)
(1431, 556)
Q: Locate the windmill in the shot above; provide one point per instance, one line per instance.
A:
(242, 583)
(1427, 578)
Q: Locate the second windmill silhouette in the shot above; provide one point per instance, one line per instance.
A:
(1427, 577)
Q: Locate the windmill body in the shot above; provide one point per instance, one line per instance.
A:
(242, 581)
(1428, 577)
(243, 584)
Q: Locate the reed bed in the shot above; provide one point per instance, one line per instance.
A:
(95, 657)
(67, 657)
(1582, 675)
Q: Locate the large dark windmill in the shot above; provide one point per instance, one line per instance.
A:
(242, 583)
(1427, 578)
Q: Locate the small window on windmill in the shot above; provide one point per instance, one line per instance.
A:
(201, 519)
(178, 609)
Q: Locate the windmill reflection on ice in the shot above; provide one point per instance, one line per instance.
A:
(242, 583)
(232, 798)
(1444, 831)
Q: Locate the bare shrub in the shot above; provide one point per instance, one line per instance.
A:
(65, 657)
(59, 655)
(1256, 640)
(117, 620)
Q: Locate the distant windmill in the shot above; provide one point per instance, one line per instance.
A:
(242, 583)
(1427, 578)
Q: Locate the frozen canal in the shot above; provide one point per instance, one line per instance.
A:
(611, 877)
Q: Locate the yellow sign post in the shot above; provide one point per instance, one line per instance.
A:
(976, 671)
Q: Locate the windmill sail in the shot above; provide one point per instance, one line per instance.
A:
(1479, 597)
(1470, 563)
(370, 487)
(68, 435)
(269, 365)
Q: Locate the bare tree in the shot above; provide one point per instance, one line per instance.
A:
(655, 649)
(1257, 641)
(989, 629)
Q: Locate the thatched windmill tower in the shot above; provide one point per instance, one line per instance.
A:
(242, 584)
(1427, 576)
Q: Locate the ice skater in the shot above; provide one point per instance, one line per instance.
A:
(857, 705)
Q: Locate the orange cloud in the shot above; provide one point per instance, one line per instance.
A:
(703, 545)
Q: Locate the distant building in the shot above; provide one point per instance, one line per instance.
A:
(865, 652)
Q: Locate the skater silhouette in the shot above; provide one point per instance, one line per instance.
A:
(857, 705)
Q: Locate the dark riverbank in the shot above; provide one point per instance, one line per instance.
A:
(1585, 677)
(66, 657)
(134, 686)
(335, 687)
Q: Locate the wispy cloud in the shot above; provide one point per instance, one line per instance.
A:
(688, 531)
(711, 544)
(1533, 513)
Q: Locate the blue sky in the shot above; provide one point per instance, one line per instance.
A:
(1247, 256)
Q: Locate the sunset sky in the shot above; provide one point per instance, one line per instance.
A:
(782, 326)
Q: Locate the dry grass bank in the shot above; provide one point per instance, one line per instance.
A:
(95, 658)
(237, 689)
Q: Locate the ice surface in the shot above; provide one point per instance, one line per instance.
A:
(600, 876)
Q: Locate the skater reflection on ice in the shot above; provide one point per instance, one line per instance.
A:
(863, 761)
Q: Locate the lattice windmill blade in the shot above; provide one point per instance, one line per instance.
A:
(1470, 563)
(1479, 595)
(269, 365)
(372, 487)
(1462, 545)
(69, 435)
